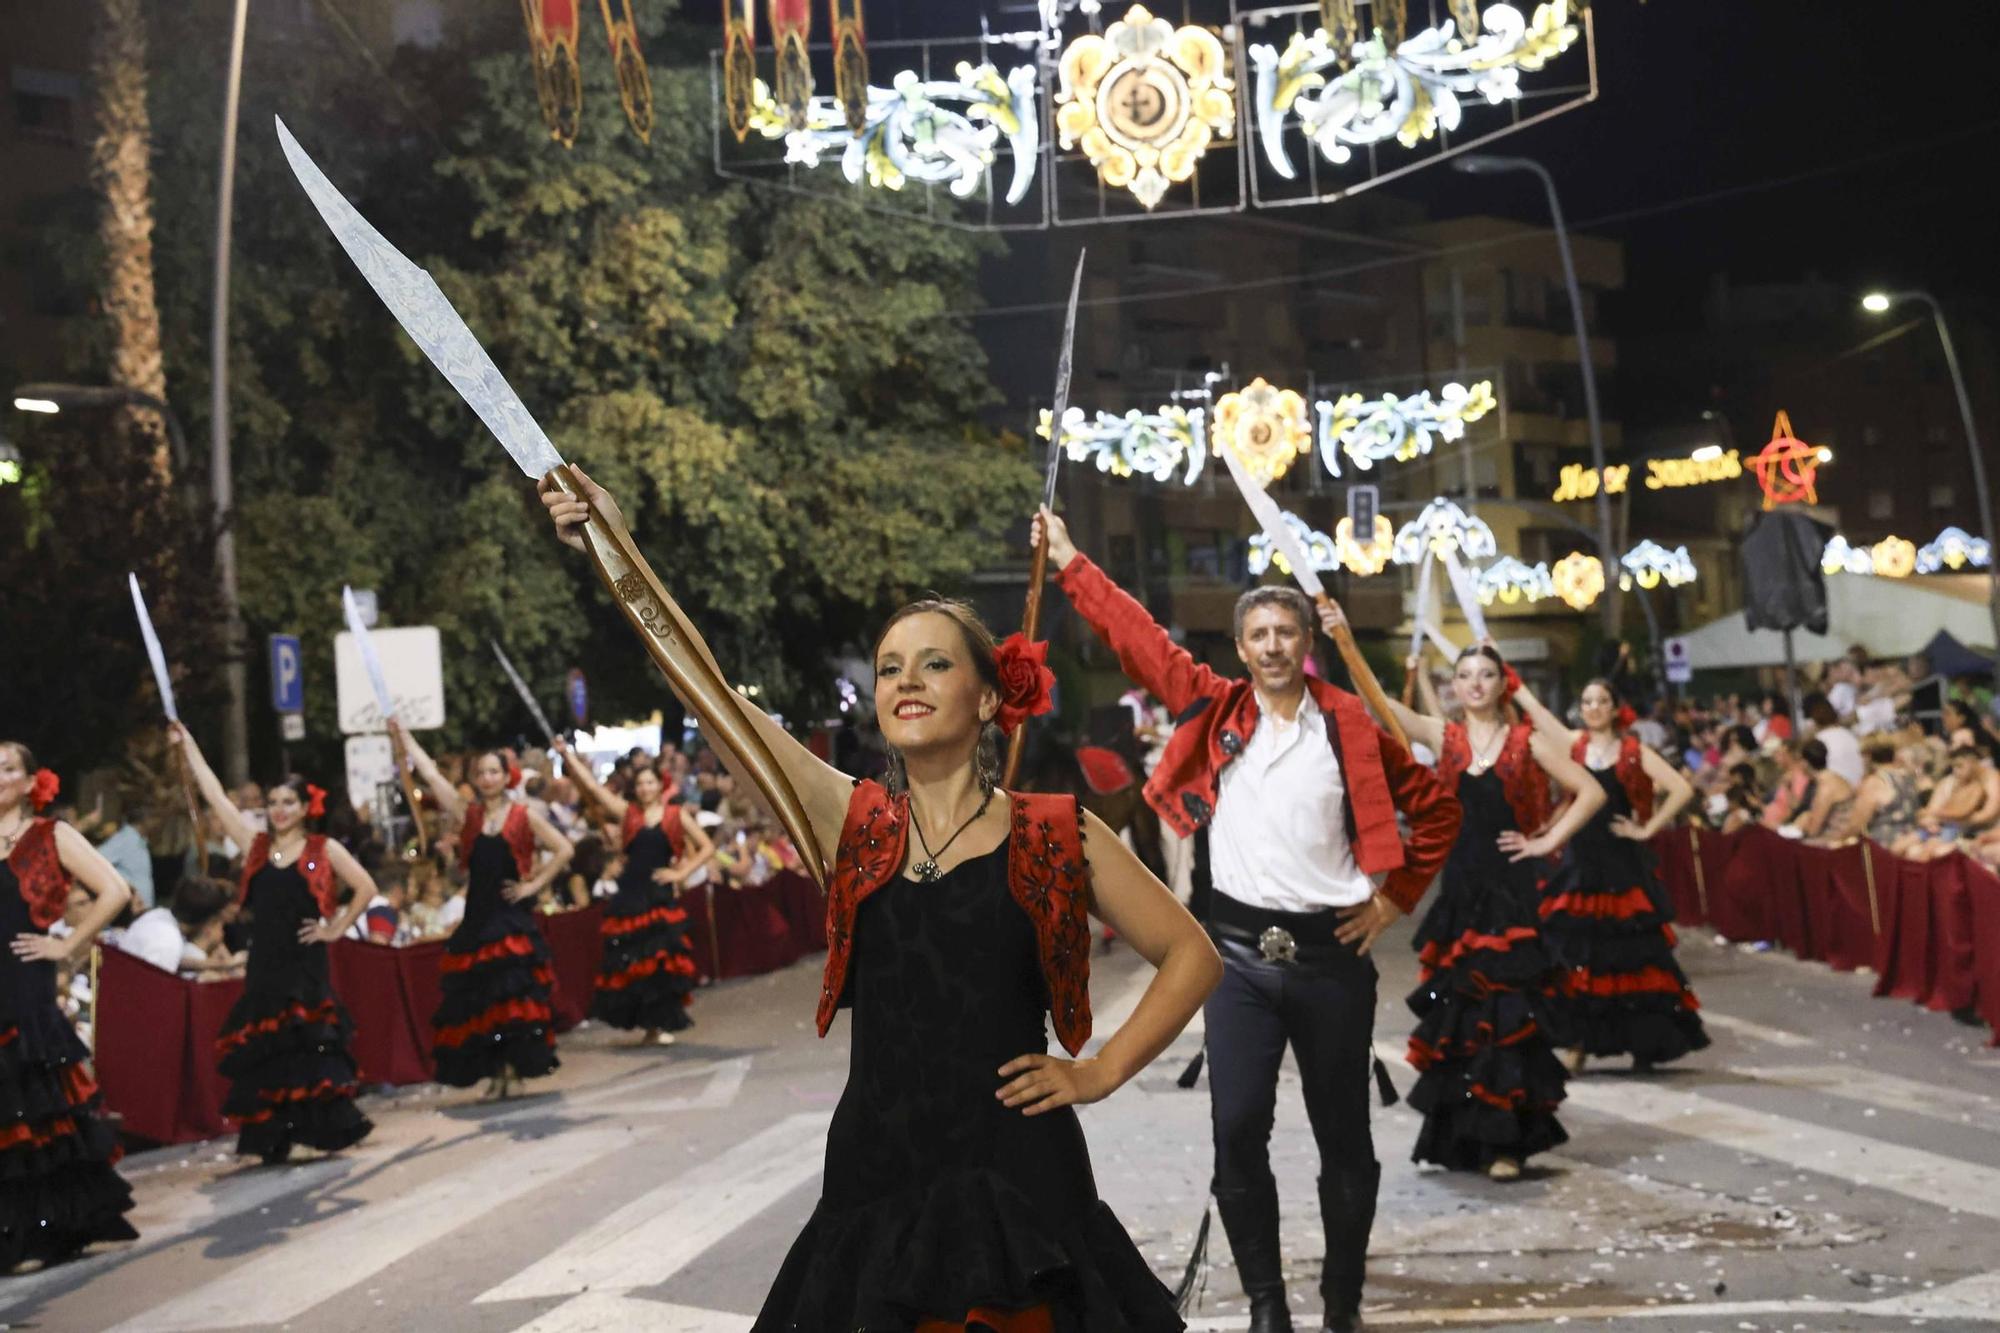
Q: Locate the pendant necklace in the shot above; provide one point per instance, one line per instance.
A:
(927, 869)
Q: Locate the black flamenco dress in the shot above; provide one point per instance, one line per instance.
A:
(497, 974)
(648, 975)
(1607, 921)
(942, 1209)
(284, 1046)
(59, 1189)
(1489, 1081)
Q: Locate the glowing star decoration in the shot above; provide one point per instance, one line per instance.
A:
(1442, 527)
(1651, 564)
(1578, 579)
(1954, 548)
(1369, 557)
(1319, 548)
(1144, 100)
(1397, 428)
(1786, 467)
(1511, 581)
(1264, 426)
(910, 134)
(1148, 444)
(1396, 89)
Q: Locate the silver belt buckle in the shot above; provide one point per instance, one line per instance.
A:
(1277, 945)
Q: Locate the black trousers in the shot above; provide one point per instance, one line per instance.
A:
(1325, 1011)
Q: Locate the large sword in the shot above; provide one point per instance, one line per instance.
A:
(521, 688)
(669, 638)
(1031, 614)
(1272, 519)
(163, 681)
(371, 662)
(1467, 592)
(1417, 622)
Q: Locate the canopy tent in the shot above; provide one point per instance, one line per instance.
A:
(1886, 617)
(1949, 657)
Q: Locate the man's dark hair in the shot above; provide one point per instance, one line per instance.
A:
(198, 901)
(1814, 753)
(1820, 711)
(1272, 595)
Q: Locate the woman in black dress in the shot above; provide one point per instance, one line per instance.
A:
(284, 1045)
(1489, 1080)
(647, 978)
(494, 1021)
(59, 1189)
(958, 1191)
(1605, 915)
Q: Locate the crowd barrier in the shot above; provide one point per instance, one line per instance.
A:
(156, 1032)
(1930, 930)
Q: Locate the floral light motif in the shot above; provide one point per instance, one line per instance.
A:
(1510, 581)
(1890, 558)
(1651, 564)
(1264, 426)
(1150, 444)
(1397, 428)
(1144, 100)
(1954, 548)
(1403, 92)
(1443, 527)
(909, 135)
(1578, 579)
(1319, 548)
(1369, 557)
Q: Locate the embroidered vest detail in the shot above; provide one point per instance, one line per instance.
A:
(1046, 874)
(1630, 770)
(514, 829)
(313, 863)
(39, 873)
(670, 824)
(1521, 778)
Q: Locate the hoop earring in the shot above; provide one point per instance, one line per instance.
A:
(986, 759)
(895, 776)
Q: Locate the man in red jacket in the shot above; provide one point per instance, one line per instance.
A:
(1299, 791)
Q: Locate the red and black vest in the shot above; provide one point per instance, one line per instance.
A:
(514, 829)
(39, 874)
(1629, 768)
(1521, 778)
(670, 824)
(1046, 873)
(313, 863)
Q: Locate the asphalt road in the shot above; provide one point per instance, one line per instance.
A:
(1831, 1162)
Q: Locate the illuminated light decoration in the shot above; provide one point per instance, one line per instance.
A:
(1397, 428)
(791, 25)
(1894, 557)
(1510, 581)
(1319, 548)
(1786, 468)
(628, 63)
(1578, 579)
(739, 64)
(1842, 557)
(1698, 470)
(1342, 26)
(1577, 482)
(1890, 558)
(1369, 557)
(850, 63)
(1144, 101)
(1651, 564)
(911, 136)
(553, 29)
(1444, 527)
(1264, 426)
(1148, 444)
(1395, 89)
(1954, 548)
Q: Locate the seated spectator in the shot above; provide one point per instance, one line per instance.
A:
(1887, 801)
(426, 916)
(382, 920)
(1965, 801)
(1774, 719)
(1828, 798)
(579, 879)
(1843, 748)
(1739, 805)
(113, 824)
(607, 880)
(1792, 793)
(186, 937)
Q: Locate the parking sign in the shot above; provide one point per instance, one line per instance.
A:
(288, 682)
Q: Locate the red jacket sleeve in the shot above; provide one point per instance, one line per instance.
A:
(1149, 657)
(1434, 816)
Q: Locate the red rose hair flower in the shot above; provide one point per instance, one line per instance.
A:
(1511, 682)
(315, 801)
(44, 789)
(513, 775)
(1625, 716)
(1025, 681)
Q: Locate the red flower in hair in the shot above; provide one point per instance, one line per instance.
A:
(44, 789)
(513, 775)
(1510, 683)
(1025, 681)
(1625, 716)
(315, 801)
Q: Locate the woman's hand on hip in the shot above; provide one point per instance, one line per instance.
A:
(1038, 1083)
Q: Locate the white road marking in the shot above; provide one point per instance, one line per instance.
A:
(1743, 1027)
(662, 1231)
(613, 1312)
(724, 1083)
(1867, 1086)
(329, 1257)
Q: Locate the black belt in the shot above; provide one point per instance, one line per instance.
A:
(1278, 937)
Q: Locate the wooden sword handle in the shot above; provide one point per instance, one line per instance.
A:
(408, 779)
(1363, 675)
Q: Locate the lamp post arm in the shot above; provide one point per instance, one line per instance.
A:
(1983, 496)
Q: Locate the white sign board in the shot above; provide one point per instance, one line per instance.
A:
(412, 666)
(370, 763)
(1680, 667)
(1534, 649)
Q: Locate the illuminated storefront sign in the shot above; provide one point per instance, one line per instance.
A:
(1580, 483)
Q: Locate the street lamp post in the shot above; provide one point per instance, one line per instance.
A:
(1877, 303)
(1482, 164)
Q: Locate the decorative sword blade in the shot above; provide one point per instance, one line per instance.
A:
(1423, 610)
(1272, 519)
(428, 317)
(161, 679)
(366, 647)
(1063, 365)
(1468, 596)
(521, 688)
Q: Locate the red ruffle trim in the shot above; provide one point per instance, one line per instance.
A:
(679, 965)
(1599, 906)
(323, 1012)
(656, 916)
(1514, 1100)
(1035, 1320)
(499, 1016)
(512, 946)
(325, 1090)
(1423, 1055)
(18, 1136)
(1473, 941)
(1646, 981)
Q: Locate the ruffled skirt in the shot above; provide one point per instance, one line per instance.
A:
(495, 1013)
(291, 1077)
(59, 1189)
(648, 975)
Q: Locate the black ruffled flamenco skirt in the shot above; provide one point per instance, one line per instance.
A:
(1489, 1081)
(495, 1014)
(291, 1077)
(648, 975)
(59, 1190)
(969, 1250)
(1608, 928)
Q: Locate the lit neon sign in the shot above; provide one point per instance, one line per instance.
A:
(1580, 483)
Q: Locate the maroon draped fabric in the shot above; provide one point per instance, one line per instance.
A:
(141, 1043)
(392, 1035)
(576, 945)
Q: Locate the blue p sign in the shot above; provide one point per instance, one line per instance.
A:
(288, 685)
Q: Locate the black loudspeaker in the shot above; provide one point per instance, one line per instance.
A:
(1784, 587)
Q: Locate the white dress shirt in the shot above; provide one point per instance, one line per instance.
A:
(1279, 837)
(156, 937)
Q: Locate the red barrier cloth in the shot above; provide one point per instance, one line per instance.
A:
(391, 1043)
(203, 1089)
(1953, 976)
(1983, 894)
(1903, 954)
(141, 1043)
(1848, 938)
(575, 947)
